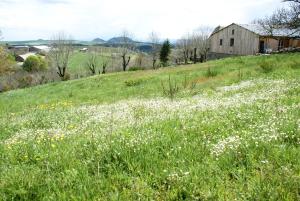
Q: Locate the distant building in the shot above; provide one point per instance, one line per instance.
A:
(83, 50)
(250, 39)
(40, 49)
(17, 50)
(23, 57)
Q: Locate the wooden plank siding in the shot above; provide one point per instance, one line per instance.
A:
(245, 41)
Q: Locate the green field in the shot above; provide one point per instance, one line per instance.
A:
(232, 132)
(78, 62)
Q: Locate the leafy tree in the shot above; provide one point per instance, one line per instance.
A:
(34, 63)
(165, 52)
(6, 61)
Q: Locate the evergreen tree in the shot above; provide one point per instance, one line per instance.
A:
(165, 52)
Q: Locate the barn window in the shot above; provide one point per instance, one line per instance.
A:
(231, 42)
(221, 42)
(232, 31)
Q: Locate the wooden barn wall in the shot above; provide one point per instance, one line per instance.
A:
(270, 43)
(245, 42)
(295, 43)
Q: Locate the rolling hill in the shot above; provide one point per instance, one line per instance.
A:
(98, 41)
(222, 130)
(119, 40)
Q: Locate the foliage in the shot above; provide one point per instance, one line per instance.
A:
(34, 63)
(7, 61)
(133, 82)
(25, 81)
(165, 52)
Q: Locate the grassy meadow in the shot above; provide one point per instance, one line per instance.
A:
(221, 130)
(78, 62)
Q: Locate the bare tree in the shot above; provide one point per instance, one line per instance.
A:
(154, 40)
(126, 46)
(92, 63)
(61, 49)
(185, 45)
(201, 43)
(291, 16)
(283, 18)
(105, 59)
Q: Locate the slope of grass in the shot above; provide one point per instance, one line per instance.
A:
(231, 133)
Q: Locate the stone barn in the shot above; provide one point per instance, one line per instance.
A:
(251, 39)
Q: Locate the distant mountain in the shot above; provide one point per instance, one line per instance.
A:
(98, 40)
(118, 40)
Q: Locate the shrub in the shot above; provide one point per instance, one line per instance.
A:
(136, 68)
(267, 66)
(5, 87)
(211, 73)
(7, 61)
(135, 82)
(25, 81)
(34, 63)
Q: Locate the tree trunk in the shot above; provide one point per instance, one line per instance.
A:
(195, 55)
(104, 69)
(125, 63)
(153, 63)
(185, 53)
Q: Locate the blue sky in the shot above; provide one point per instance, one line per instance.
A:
(88, 19)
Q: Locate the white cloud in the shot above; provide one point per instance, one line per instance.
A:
(32, 19)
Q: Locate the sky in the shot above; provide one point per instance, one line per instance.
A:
(89, 19)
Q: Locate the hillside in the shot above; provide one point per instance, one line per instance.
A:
(231, 132)
(118, 40)
(98, 41)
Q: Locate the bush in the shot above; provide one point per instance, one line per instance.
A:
(34, 63)
(5, 87)
(25, 81)
(135, 82)
(267, 66)
(7, 61)
(135, 68)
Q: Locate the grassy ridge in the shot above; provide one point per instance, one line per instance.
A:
(232, 136)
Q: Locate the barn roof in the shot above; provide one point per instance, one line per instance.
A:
(42, 48)
(259, 30)
(23, 57)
